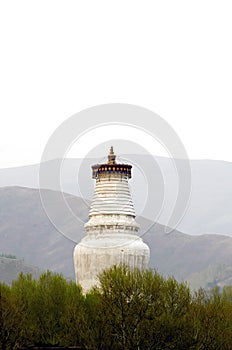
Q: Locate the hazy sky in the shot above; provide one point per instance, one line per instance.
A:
(59, 57)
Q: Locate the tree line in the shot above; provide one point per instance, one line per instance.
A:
(9, 256)
(131, 309)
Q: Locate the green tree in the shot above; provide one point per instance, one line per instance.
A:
(23, 290)
(131, 309)
(95, 333)
(9, 319)
(48, 308)
(212, 321)
(145, 311)
(73, 317)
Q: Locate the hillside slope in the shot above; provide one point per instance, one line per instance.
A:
(26, 232)
(210, 205)
(11, 268)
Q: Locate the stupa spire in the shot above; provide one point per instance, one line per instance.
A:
(111, 156)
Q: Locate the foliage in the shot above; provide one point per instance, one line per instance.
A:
(9, 256)
(131, 309)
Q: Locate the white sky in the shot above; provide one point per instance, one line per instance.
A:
(59, 57)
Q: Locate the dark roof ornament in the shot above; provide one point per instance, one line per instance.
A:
(111, 156)
(111, 167)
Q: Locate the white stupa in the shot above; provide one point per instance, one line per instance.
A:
(111, 237)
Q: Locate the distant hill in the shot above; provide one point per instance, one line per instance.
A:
(11, 268)
(25, 231)
(210, 206)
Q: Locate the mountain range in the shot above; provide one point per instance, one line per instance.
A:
(210, 205)
(27, 232)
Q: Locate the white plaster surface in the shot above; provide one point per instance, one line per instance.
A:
(111, 232)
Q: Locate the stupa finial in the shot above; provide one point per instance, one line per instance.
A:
(111, 156)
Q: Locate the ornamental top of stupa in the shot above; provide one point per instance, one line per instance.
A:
(111, 167)
(111, 156)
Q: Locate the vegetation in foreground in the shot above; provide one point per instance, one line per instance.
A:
(130, 310)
